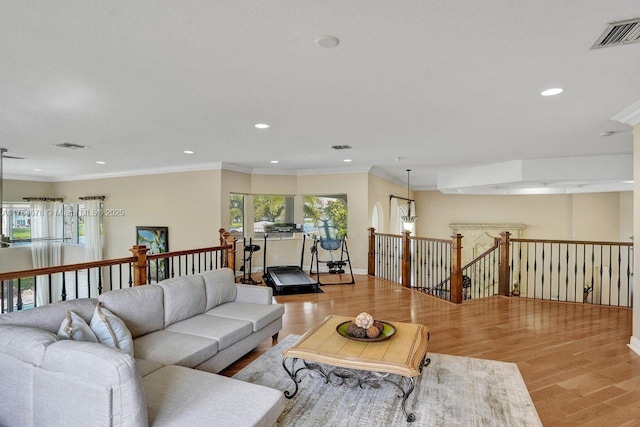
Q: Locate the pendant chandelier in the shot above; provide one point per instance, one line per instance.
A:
(409, 221)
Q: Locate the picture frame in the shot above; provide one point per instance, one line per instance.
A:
(157, 240)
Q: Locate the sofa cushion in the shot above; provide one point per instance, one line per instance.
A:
(173, 348)
(224, 330)
(219, 286)
(73, 327)
(24, 343)
(111, 330)
(259, 315)
(185, 397)
(141, 307)
(49, 317)
(145, 367)
(184, 297)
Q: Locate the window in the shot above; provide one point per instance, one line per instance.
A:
(376, 217)
(16, 222)
(269, 210)
(74, 214)
(324, 213)
(236, 215)
(266, 210)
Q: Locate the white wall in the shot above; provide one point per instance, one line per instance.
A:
(194, 205)
(186, 202)
(596, 216)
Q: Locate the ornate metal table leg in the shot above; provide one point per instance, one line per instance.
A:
(412, 384)
(293, 374)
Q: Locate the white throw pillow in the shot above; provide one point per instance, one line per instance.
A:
(74, 327)
(111, 330)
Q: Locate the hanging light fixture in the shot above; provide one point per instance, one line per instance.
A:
(409, 221)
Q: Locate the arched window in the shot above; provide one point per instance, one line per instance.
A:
(376, 217)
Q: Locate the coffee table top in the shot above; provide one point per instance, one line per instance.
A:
(402, 354)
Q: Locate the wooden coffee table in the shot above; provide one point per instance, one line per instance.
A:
(341, 361)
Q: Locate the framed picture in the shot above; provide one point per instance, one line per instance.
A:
(157, 240)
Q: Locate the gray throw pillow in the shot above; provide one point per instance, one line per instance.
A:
(74, 327)
(111, 330)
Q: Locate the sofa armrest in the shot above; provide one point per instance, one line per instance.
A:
(254, 294)
(88, 383)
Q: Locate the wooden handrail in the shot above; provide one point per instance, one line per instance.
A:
(188, 252)
(105, 263)
(430, 239)
(484, 254)
(571, 242)
(64, 268)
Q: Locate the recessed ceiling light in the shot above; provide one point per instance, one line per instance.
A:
(38, 170)
(188, 152)
(261, 126)
(552, 91)
(606, 133)
(347, 160)
(100, 162)
(275, 161)
(327, 41)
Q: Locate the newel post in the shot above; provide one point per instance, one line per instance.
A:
(140, 266)
(456, 268)
(226, 239)
(406, 259)
(371, 259)
(504, 269)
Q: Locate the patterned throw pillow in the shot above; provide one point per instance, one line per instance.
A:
(74, 327)
(111, 330)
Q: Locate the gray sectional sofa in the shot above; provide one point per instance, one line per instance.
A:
(181, 332)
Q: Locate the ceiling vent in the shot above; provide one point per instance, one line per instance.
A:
(619, 33)
(71, 146)
(341, 147)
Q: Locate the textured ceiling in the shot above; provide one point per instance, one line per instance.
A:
(441, 85)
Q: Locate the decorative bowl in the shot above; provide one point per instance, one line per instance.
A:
(386, 333)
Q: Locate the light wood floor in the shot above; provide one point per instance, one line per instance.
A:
(574, 358)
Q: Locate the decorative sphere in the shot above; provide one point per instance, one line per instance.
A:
(364, 320)
(360, 332)
(378, 324)
(373, 332)
(351, 327)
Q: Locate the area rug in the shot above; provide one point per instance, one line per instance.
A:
(452, 391)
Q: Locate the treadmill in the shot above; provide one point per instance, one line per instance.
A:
(288, 278)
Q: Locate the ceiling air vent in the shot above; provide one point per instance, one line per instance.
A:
(341, 147)
(71, 146)
(619, 33)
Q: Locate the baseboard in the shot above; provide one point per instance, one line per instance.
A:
(634, 344)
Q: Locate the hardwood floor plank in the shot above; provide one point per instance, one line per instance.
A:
(573, 357)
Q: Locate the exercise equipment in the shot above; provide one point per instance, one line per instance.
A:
(249, 250)
(329, 241)
(291, 278)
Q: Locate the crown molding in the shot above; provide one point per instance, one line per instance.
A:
(138, 172)
(375, 171)
(235, 168)
(29, 178)
(629, 116)
(334, 171)
(267, 171)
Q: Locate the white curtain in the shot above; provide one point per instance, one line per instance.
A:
(92, 244)
(46, 244)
